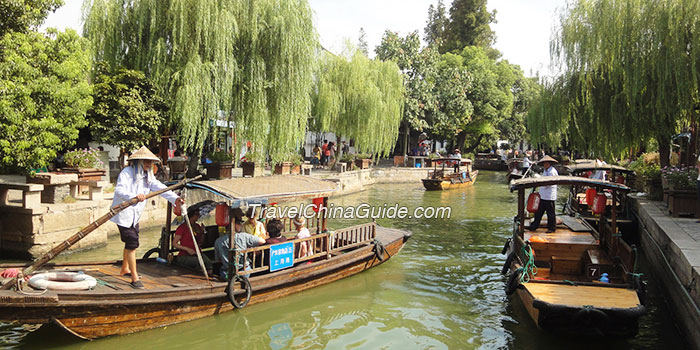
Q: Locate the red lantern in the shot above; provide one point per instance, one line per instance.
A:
(533, 202)
(599, 203)
(318, 203)
(178, 209)
(222, 215)
(590, 195)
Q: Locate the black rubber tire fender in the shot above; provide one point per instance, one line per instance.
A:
(506, 246)
(509, 261)
(245, 283)
(591, 317)
(513, 282)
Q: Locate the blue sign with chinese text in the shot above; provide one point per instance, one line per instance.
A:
(281, 256)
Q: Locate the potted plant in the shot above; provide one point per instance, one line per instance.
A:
(296, 164)
(84, 162)
(249, 167)
(648, 178)
(682, 190)
(363, 160)
(221, 165)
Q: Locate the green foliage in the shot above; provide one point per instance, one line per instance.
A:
(419, 67)
(469, 25)
(221, 157)
(681, 178)
(360, 99)
(45, 95)
(252, 59)
(437, 25)
(631, 74)
(24, 15)
(127, 112)
(82, 158)
(362, 42)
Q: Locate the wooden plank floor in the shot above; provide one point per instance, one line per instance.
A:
(562, 235)
(154, 275)
(577, 296)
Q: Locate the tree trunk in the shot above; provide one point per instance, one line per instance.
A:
(664, 151)
(192, 166)
(405, 138)
(460, 143)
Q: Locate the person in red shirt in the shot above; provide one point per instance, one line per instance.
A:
(182, 241)
(324, 153)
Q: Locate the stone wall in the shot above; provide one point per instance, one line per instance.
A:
(29, 233)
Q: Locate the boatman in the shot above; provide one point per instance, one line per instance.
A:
(136, 180)
(548, 194)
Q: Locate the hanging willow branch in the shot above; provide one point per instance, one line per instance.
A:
(360, 99)
(251, 59)
(631, 74)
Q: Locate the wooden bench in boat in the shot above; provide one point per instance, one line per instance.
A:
(579, 296)
(31, 193)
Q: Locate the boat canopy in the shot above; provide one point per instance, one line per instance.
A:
(566, 180)
(463, 160)
(262, 190)
(582, 167)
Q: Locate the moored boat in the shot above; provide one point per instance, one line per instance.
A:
(578, 279)
(445, 179)
(488, 161)
(176, 294)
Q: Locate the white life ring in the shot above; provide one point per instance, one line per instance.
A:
(60, 280)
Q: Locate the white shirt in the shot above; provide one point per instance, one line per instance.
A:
(549, 193)
(129, 184)
(698, 173)
(526, 162)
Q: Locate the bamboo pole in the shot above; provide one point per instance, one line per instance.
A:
(87, 230)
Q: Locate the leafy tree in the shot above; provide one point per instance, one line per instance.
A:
(45, 95)
(360, 99)
(525, 91)
(127, 112)
(437, 25)
(362, 42)
(469, 25)
(419, 71)
(252, 59)
(631, 74)
(24, 15)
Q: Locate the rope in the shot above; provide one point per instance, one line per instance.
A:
(529, 267)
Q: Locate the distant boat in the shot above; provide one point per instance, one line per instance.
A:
(176, 294)
(488, 161)
(578, 279)
(446, 178)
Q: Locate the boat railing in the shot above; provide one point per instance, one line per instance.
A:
(322, 245)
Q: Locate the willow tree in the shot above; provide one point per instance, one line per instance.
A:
(251, 59)
(631, 73)
(360, 99)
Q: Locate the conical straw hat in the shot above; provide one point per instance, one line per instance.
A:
(547, 159)
(145, 154)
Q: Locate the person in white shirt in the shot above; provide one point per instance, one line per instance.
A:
(526, 164)
(136, 180)
(548, 194)
(305, 248)
(599, 174)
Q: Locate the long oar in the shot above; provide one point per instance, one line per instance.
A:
(86, 230)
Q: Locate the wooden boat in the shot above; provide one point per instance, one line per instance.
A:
(557, 276)
(488, 161)
(175, 294)
(578, 201)
(445, 179)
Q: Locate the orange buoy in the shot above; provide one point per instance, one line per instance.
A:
(599, 203)
(222, 215)
(590, 195)
(533, 202)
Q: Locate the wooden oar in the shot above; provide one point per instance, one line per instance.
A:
(86, 230)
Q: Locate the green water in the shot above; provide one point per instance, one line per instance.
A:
(443, 291)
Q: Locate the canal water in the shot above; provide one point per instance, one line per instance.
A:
(443, 291)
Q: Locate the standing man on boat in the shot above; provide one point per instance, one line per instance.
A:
(136, 180)
(548, 194)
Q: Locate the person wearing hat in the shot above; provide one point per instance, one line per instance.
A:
(182, 241)
(548, 194)
(456, 155)
(243, 241)
(136, 180)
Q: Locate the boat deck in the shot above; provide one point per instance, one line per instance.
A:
(579, 296)
(563, 235)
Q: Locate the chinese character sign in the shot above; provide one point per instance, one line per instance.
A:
(281, 256)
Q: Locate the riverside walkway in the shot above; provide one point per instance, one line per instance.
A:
(672, 246)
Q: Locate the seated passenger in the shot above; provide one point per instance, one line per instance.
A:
(305, 248)
(182, 241)
(253, 226)
(243, 241)
(274, 229)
